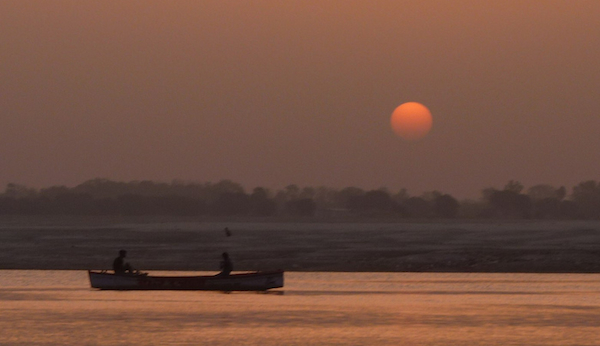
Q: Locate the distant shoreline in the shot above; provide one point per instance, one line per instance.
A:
(478, 246)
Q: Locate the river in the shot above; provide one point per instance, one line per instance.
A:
(314, 308)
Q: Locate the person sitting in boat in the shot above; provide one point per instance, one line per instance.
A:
(119, 265)
(226, 265)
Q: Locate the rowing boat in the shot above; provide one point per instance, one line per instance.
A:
(256, 281)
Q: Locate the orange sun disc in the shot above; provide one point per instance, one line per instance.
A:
(411, 121)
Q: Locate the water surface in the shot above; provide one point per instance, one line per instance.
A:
(59, 308)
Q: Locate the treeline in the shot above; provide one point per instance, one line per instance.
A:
(227, 198)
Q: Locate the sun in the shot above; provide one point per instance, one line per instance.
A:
(411, 121)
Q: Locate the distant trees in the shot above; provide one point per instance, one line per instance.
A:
(372, 202)
(446, 206)
(261, 204)
(541, 201)
(301, 207)
(547, 201)
(509, 202)
(416, 207)
(227, 198)
(586, 196)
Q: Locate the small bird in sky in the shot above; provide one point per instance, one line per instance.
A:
(227, 232)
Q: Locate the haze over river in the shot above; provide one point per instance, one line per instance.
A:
(164, 244)
(49, 307)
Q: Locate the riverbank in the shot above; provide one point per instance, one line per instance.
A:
(168, 244)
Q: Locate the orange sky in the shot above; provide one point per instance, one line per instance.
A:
(269, 93)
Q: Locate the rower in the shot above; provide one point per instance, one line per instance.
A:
(226, 265)
(119, 265)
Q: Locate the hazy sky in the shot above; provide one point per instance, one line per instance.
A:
(269, 93)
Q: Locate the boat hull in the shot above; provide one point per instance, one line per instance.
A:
(258, 281)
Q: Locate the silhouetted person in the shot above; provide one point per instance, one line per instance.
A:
(227, 232)
(226, 265)
(119, 265)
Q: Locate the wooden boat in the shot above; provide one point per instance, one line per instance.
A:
(256, 281)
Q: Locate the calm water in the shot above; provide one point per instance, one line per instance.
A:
(59, 308)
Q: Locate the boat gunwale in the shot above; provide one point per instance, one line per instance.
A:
(217, 276)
